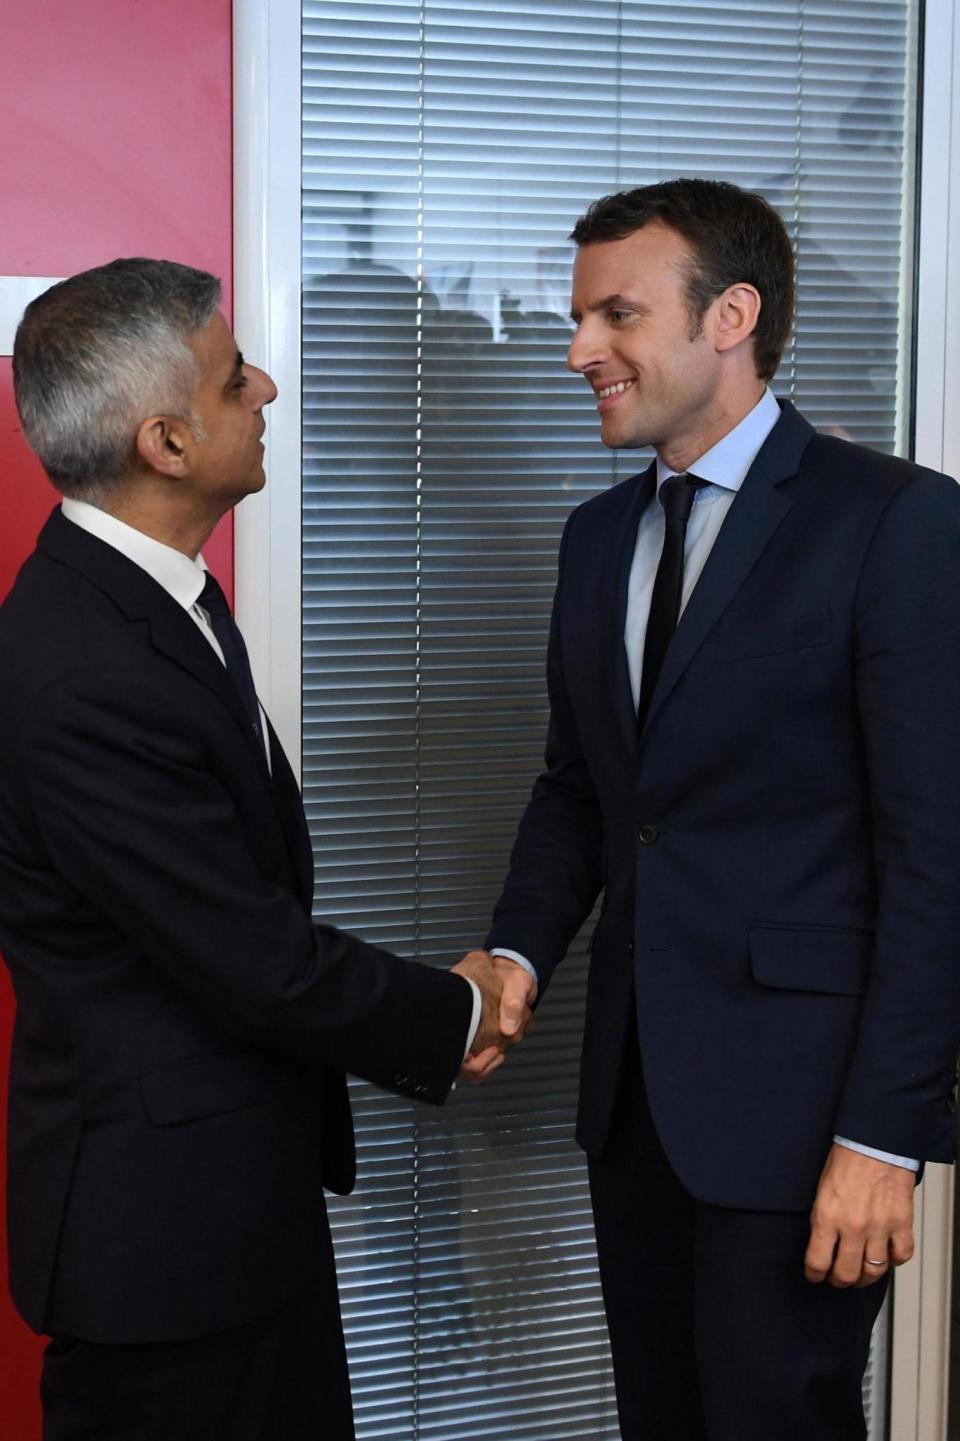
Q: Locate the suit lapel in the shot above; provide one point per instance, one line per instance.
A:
(617, 588)
(142, 600)
(175, 636)
(754, 516)
(187, 648)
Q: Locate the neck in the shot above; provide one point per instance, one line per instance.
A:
(182, 528)
(709, 424)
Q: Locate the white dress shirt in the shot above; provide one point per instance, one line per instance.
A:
(724, 467)
(183, 580)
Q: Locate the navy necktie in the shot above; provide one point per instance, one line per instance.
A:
(225, 628)
(676, 496)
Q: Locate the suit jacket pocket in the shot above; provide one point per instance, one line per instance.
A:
(209, 1086)
(775, 637)
(802, 958)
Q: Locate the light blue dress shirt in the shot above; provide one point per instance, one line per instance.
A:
(724, 467)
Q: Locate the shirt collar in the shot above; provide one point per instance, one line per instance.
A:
(181, 577)
(726, 463)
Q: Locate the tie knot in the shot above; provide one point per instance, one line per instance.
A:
(212, 597)
(677, 494)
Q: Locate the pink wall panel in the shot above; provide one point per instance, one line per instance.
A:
(116, 125)
(120, 111)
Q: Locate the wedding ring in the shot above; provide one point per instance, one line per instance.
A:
(868, 1262)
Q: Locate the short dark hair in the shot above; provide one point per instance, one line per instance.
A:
(98, 353)
(736, 237)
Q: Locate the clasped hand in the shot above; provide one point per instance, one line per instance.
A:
(507, 992)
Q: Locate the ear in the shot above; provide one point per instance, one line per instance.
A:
(163, 444)
(736, 313)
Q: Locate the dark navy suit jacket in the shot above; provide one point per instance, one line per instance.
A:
(177, 1097)
(779, 856)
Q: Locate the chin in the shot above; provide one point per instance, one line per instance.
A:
(624, 442)
(255, 482)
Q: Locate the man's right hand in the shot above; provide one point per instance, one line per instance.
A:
(507, 992)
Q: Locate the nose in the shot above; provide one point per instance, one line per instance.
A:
(266, 390)
(585, 350)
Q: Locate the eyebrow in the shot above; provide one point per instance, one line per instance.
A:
(613, 302)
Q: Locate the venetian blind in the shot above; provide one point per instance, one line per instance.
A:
(447, 150)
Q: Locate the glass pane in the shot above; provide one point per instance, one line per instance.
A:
(447, 150)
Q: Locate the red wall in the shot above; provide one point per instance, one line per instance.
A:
(116, 125)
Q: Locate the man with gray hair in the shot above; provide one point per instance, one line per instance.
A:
(177, 1095)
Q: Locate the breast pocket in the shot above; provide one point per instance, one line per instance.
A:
(208, 1086)
(748, 640)
(830, 961)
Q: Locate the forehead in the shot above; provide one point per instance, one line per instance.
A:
(648, 262)
(214, 346)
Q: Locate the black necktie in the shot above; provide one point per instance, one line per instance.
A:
(228, 635)
(676, 496)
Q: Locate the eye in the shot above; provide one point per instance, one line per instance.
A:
(618, 315)
(240, 383)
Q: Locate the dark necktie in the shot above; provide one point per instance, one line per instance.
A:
(676, 496)
(228, 635)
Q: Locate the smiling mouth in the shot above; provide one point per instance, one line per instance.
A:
(610, 393)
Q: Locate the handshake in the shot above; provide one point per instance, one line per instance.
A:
(507, 992)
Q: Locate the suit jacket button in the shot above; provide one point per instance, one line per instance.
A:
(648, 834)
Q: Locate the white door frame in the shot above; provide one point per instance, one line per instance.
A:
(266, 257)
(267, 148)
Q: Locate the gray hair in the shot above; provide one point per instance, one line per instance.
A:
(97, 354)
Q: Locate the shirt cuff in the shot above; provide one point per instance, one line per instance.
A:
(904, 1161)
(520, 960)
(475, 1018)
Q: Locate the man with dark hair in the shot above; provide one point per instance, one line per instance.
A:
(754, 677)
(177, 1094)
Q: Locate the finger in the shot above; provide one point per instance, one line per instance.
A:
(481, 1059)
(819, 1254)
(471, 1071)
(522, 1031)
(847, 1265)
(901, 1244)
(876, 1260)
(475, 1074)
(513, 1002)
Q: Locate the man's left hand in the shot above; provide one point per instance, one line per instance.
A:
(862, 1220)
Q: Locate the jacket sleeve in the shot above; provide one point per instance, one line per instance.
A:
(898, 1095)
(555, 866)
(134, 817)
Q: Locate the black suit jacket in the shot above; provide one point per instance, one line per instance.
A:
(779, 855)
(177, 1097)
